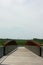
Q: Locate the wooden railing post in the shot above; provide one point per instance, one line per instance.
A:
(3, 50)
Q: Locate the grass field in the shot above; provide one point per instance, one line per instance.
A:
(40, 41)
(2, 41)
(20, 42)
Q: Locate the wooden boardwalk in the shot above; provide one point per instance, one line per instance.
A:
(23, 56)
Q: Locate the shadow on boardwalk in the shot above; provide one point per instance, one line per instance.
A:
(7, 56)
(3, 64)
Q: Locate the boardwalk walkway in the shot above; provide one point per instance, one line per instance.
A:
(23, 56)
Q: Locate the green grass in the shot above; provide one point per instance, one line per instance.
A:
(40, 41)
(2, 41)
(21, 42)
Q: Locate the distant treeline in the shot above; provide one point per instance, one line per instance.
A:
(2, 41)
(20, 41)
(38, 40)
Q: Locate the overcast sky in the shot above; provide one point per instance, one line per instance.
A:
(21, 19)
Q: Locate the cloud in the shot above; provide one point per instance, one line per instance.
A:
(25, 16)
(12, 2)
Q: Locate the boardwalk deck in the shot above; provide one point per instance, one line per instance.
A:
(23, 56)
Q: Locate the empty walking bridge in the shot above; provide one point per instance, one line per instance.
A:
(22, 56)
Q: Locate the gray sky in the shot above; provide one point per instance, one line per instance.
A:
(21, 19)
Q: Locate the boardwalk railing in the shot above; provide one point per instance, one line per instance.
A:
(8, 47)
(34, 47)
